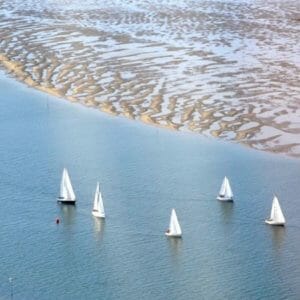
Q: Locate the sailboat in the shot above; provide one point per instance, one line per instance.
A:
(174, 227)
(225, 193)
(98, 209)
(66, 195)
(276, 216)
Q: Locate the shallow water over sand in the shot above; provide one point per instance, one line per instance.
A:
(223, 68)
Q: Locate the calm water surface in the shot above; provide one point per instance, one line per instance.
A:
(227, 252)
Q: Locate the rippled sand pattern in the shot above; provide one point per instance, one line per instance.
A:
(224, 68)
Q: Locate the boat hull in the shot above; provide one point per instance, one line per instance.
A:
(224, 199)
(173, 235)
(66, 201)
(274, 223)
(98, 215)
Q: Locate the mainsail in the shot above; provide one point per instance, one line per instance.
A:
(66, 189)
(174, 224)
(225, 190)
(276, 212)
(98, 209)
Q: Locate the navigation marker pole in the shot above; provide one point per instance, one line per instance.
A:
(11, 281)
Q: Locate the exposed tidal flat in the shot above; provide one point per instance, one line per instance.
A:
(228, 69)
(227, 252)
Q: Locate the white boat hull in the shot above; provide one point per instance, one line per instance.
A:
(274, 223)
(97, 214)
(225, 199)
(172, 235)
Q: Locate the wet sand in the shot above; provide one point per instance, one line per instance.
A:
(226, 69)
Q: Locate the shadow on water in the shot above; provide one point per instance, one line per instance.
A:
(99, 227)
(68, 213)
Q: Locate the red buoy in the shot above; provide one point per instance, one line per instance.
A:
(57, 220)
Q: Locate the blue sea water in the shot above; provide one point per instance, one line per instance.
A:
(227, 252)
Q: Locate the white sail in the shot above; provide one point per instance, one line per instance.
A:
(225, 192)
(276, 216)
(174, 227)
(66, 189)
(95, 207)
(272, 214)
(98, 208)
(222, 189)
(100, 205)
(228, 190)
(63, 190)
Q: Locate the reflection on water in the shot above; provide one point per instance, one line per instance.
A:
(99, 226)
(278, 235)
(226, 211)
(175, 246)
(68, 213)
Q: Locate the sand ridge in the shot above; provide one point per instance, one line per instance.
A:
(224, 69)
